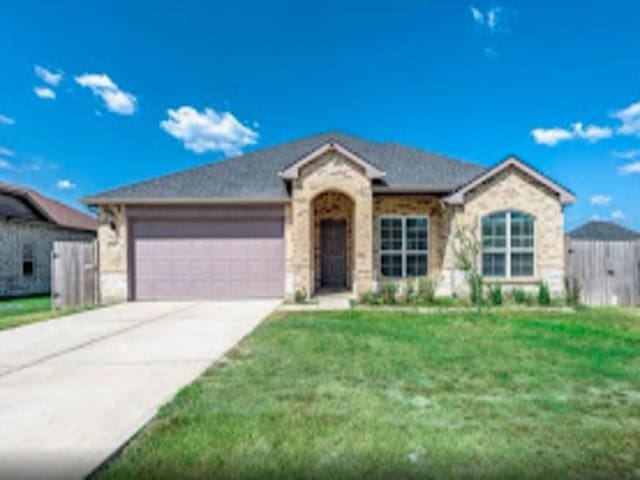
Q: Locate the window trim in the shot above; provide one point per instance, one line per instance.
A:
(403, 252)
(508, 249)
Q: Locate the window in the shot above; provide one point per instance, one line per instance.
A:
(404, 246)
(507, 245)
(27, 260)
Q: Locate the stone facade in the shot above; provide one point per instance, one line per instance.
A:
(511, 189)
(39, 237)
(112, 243)
(331, 172)
(401, 205)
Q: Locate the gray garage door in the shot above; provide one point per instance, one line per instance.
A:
(208, 259)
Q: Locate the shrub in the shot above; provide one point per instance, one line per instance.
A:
(370, 298)
(476, 288)
(388, 292)
(409, 293)
(519, 296)
(572, 289)
(544, 298)
(426, 290)
(495, 294)
(300, 296)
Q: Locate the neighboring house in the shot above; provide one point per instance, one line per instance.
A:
(29, 224)
(327, 211)
(603, 231)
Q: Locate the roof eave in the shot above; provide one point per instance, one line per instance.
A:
(183, 200)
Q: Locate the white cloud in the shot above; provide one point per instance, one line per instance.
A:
(5, 152)
(600, 200)
(44, 92)
(630, 118)
(477, 15)
(488, 18)
(5, 164)
(208, 130)
(48, 76)
(618, 215)
(115, 99)
(627, 155)
(555, 135)
(6, 120)
(550, 136)
(633, 167)
(65, 184)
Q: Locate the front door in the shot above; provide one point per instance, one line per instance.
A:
(333, 246)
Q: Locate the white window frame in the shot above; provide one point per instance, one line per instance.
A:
(403, 252)
(508, 249)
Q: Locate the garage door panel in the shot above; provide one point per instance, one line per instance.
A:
(215, 259)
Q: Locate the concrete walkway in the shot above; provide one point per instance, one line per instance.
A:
(73, 390)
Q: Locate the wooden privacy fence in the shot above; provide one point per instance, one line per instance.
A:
(608, 272)
(74, 274)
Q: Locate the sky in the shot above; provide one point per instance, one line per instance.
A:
(94, 95)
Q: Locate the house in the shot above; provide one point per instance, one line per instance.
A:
(604, 232)
(327, 211)
(29, 224)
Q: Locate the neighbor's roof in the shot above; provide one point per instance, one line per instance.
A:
(51, 210)
(605, 231)
(255, 176)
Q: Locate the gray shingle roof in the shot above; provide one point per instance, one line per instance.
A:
(605, 231)
(255, 175)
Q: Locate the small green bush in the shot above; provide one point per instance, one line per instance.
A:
(370, 298)
(409, 292)
(519, 296)
(572, 289)
(495, 294)
(300, 296)
(476, 288)
(426, 290)
(544, 298)
(388, 292)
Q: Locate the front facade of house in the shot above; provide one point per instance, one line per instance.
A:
(29, 226)
(337, 213)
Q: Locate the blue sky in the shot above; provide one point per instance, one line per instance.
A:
(97, 94)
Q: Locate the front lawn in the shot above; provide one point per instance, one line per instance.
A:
(402, 395)
(16, 312)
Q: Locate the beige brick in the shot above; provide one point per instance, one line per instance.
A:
(512, 189)
(331, 172)
(112, 243)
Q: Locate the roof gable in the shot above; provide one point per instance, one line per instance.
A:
(458, 197)
(293, 171)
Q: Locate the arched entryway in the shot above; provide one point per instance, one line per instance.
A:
(332, 230)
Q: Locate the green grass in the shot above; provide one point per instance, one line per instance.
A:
(403, 395)
(16, 312)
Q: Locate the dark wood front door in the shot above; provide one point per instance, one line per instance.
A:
(333, 246)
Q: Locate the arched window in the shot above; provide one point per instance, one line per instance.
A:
(508, 245)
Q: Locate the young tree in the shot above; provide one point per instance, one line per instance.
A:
(466, 250)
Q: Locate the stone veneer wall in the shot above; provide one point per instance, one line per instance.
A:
(330, 172)
(412, 205)
(512, 189)
(334, 206)
(112, 242)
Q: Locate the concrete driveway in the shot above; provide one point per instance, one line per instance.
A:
(73, 390)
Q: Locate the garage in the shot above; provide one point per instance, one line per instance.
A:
(217, 253)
